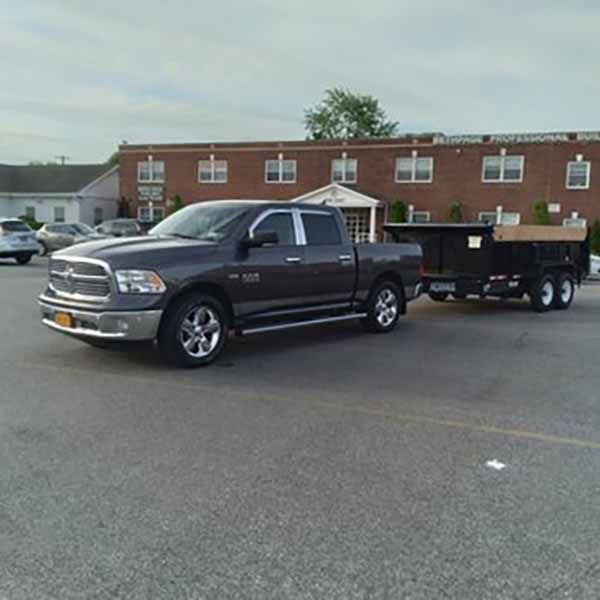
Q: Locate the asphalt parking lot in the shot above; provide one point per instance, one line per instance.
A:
(322, 463)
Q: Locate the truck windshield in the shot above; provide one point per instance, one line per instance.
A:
(211, 222)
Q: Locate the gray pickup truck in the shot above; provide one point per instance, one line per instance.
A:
(216, 267)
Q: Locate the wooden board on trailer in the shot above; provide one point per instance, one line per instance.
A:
(538, 233)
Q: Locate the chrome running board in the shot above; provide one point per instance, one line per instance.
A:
(279, 326)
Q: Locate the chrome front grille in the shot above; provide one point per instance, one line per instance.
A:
(79, 279)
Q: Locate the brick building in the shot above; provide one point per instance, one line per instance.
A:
(493, 177)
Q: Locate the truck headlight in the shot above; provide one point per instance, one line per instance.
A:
(139, 282)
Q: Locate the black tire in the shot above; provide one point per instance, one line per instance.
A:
(564, 292)
(180, 327)
(438, 296)
(383, 308)
(542, 293)
(459, 296)
(23, 259)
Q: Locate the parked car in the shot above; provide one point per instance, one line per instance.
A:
(245, 266)
(595, 266)
(17, 240)
(120, 228)
(55, 236)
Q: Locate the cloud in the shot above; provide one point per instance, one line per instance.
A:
(83, 76)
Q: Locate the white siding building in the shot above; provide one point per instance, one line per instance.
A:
(60, 193)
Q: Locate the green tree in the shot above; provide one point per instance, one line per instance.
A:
(175, 204)
(113, 159)
(595, 237)
(455, 213)
(397, 212)
(345, 115)
(541, 216)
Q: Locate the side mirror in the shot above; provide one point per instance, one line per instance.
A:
(261, 238)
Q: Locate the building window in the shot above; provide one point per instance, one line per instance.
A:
(59, 214)
(357, 224)
(30, 212)
(150, 214)
(414, 170)
(343, 170)
(212, 171)
(500, 218)
(578, 175)
(503, 169)
(280, 171)
(98, 218)
(574, 221)
(421, 216)
(151, 171)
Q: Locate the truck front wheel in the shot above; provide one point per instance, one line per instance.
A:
(383, 308)
(543, 293)
(194, 331)
(565, 291)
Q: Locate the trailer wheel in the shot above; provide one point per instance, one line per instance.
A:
(543, 293)
(565, 291)
(438, 296)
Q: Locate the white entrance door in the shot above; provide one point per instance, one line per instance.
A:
(358, 224)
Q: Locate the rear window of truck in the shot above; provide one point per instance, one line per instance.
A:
(321, 229)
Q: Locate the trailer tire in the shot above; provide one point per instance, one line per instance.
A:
(438, 296)
(543, 293)
(565, 291)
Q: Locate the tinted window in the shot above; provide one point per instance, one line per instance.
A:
(321, 229)
(282, 224)
(14, 226)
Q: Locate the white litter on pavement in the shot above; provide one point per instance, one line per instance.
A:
(495, 464)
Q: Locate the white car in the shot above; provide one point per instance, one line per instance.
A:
(17, 240)
(595, 266)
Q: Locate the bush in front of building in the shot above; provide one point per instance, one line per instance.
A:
(595, 237)
(175, 204)
(455, 213)
(398, 212)
(123, 208)
(35, 225)
(541, 216)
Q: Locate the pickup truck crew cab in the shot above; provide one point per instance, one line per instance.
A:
(212, 267)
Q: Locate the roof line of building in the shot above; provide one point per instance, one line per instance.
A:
(434, 139)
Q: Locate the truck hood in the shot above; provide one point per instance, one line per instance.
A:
(136, 250)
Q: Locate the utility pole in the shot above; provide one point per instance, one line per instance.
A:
(63, 159)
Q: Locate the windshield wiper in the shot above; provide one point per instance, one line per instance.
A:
(182, 235)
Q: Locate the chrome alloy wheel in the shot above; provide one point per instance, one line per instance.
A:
(547, 293)
(566, 291)
(386, 307)
(200, 331)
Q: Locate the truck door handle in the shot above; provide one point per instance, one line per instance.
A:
(344, 257)
(292, 259)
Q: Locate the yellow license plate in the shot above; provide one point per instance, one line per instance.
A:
(63, 319)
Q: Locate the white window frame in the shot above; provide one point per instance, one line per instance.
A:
(494, 214)
(151, 211)
(414, 159)
(64, 214)
(503, 158)
(427, 214)
(152, 178)
(280, 160)
(588, 165)
(211, 163)
(344, 160)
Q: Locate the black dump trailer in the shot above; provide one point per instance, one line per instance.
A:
(544, 262)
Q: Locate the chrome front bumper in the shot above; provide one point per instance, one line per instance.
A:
(127, 326)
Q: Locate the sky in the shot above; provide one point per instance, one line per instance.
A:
(78, 77)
